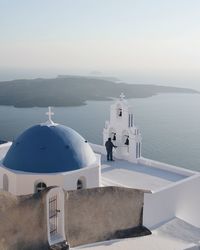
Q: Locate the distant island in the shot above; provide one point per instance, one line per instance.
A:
(74, 91)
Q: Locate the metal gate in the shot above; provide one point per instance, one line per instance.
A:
(53, 215)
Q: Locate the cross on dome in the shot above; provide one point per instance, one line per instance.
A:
(122, 96)
(50, 114)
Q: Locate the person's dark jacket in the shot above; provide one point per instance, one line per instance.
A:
(109, 146)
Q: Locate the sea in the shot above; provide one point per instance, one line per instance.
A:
(169, 123)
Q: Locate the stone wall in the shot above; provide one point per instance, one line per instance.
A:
(22, 222)
(91, 215)
(100, 214)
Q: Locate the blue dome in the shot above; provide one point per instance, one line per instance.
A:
(49, 149)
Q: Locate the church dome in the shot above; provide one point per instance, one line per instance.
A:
(49, 149)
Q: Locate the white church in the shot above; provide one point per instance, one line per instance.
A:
(50, 154)
(46, 155)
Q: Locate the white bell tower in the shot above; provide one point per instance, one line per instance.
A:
(123, 132)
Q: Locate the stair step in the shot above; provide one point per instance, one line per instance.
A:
(60, 246)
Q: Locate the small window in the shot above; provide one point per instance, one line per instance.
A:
(40, 186)
(130, 120)
(79, 184)
(5, 183)
(136, 150)
(139, 149)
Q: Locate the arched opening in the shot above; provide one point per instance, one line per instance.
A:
(138, 150)
(55, 201)
(119, 111)
(125, 141)
(112, 134)
(5, 183)
(81, 183)
(130, 120)
(40, 186)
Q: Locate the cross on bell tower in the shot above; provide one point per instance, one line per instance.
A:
(122, 96)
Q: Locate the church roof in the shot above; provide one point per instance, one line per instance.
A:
(49, 149)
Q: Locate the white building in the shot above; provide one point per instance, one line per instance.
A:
(49, 154)
(171, 200)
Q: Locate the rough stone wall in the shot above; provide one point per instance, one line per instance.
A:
(91, 215)
(100, 214)
(22, 222)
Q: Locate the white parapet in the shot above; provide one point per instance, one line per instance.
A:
(167, 167)
(180, 200)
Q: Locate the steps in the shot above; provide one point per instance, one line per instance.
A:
(60, 246)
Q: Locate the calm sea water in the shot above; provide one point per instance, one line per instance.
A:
(170, 125)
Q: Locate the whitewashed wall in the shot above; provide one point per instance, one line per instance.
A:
(181, 200)
(24, 183)
(12, 180)
(91, 175)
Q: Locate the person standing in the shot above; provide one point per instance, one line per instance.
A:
(109, 148)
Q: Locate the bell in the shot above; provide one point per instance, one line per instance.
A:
(127, 142)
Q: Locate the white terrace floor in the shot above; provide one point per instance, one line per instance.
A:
(127, 174)
(173, 235)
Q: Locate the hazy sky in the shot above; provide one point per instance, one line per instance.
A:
(143, 41)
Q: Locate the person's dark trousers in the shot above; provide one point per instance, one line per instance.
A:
(109, 156)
